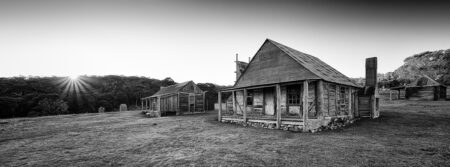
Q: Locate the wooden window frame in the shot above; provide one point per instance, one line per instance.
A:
(343, 99)
(293, 95)
(250, 95)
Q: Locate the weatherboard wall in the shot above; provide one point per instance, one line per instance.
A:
(448, 92)
(181, 98)
(426, 93)
(271, 65)
(336, 101)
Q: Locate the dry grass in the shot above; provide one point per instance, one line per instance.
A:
(407, 134)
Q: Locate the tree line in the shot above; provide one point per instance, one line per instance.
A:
(40, 96)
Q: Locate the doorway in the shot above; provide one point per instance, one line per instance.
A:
(269, 101)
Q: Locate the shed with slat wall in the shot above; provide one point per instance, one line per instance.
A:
(180, 98)
(425, 88)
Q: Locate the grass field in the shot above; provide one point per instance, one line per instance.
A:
(407, 134)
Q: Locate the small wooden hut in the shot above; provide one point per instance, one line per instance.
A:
(284, 88)
(448, 92)
(180, 98)
(425, 88)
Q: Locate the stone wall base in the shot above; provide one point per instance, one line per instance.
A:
(312, 125)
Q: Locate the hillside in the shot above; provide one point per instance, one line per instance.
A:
(435, 64)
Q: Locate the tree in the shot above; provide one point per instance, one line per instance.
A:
(48, 106)
(167, 82)
(8, 106)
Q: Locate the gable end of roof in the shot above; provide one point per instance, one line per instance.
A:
(316, 66)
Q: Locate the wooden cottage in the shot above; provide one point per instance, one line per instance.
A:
(423, 88)
(180, 98)
(284, 88)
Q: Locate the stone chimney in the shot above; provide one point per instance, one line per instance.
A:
(371, 72)
(371, 87)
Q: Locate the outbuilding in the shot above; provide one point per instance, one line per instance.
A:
(177, 99)
(425, 88)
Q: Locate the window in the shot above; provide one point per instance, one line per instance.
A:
(293, 95)
(343, 100)
(342, 94)
(250, 97)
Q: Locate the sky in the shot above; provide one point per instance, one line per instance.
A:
(198, 39)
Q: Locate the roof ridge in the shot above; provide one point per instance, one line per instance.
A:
(320, 63)
(288, 53)
(183, 84)
(433, 82)
(174, 87)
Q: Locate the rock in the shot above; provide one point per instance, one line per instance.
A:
(73, 133)
(123, 107)
(152, 114)
(295, 128)
(101, 109)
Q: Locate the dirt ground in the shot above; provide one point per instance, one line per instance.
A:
(407, 134)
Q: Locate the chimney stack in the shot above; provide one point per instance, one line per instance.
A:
(238, 73)
(240, 67)
(371, 72)
(371, 87)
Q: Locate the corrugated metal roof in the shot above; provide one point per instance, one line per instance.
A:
(316, 66)
(171, 89)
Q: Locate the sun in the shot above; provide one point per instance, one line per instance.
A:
(74, 86)
(73, 77)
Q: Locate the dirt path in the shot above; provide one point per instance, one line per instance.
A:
(407, 134)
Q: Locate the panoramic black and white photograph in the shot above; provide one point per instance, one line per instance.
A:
(224, 83)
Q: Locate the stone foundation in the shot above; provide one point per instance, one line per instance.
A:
(312, 125)
(152, 114)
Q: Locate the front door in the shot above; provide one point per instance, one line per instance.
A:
(269, 101)
(192, 103)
